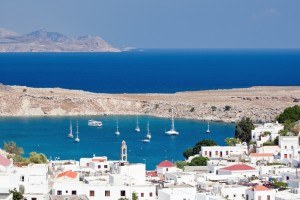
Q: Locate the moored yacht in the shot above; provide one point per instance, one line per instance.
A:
(92, 122)
(137, 128)
(77, 134)
(207, 131)
(117, 131)
(70, 135)
(172, 131)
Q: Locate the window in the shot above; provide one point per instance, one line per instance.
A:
(74, 192)
(59, 192)
(227, 153)
(247, 197)
(92, 193)
(66, 191)
(234, 195)
(33, 198)
(205, 153)
(167, 169)
(259, 197)
(142, 194)
(292, 147)
(268, 197)
(217, 152)
(87, 164)
(105, 166)
(99, 166)
(22, 178)
(285, 147)
(285, 155)
(150, 194)
(123, 193)
(107, 193)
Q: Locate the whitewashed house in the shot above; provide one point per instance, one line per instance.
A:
(261, 157)
(238, 169)
(216, 152)
(260, 192)
(166, 166)
(258, 134)
(289, 148)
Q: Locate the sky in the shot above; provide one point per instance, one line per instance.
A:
(163, 23)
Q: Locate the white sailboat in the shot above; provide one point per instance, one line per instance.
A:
(70, 135)
(77, 132)
(208, 131)
(148, 135)
(137, 128)
(172, 131)
(117, 131)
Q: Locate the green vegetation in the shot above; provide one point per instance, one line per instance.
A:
(134, 196)
(232, 141)
(267, 133)
(12, 148)
(16, 195)
(192, 109)
(227, 108)
(243, 129)
(269, 144)
(213, 108)
(278, 184)
(16, 152)
(196, 149)
(199, 161)
(275, 163)
(291, 114)
(181, 164)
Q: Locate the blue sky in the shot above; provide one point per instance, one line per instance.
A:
(163, 23)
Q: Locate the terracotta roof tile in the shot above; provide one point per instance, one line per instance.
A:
(238, 167)
(165, 163)
(68, 173)
(259, 188)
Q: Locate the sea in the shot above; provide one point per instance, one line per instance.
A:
(139, 71)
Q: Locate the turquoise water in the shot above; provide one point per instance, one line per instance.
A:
(49, 135)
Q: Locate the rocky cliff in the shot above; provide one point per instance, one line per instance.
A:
(262, 104)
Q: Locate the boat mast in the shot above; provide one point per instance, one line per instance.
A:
(77, 130)
(173, 126)
(71, 127)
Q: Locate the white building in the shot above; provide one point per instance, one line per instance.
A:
(258, 134)
(181, 178)
(166, 166)
(261, 157)
(177, 193)
(260, 193)
(239, 169)
(289, 148)
(216, 152)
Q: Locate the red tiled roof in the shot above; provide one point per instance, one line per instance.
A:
(4, 161)
(261, 155)
(98, 159)
(165, 163)
(68, 173)
(259, 188)
(238, 167)
(151, 174)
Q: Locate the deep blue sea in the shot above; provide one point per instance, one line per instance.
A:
(161, 71)
(146, 71)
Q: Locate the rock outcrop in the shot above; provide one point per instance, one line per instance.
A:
(262, 104)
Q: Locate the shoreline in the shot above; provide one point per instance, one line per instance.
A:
(261, 103)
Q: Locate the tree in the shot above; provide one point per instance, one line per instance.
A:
(134, 196)
(243, 129)
(232, 141)
(197, 148)
(37, 158)
(227, 108)
(181, 164)
(205, 142)
(16, 195)
(12, 148)
(199, 161)
(188, 152)
(291, 113)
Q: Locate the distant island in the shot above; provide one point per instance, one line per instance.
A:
(44, 41)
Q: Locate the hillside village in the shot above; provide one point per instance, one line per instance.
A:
(265, 168)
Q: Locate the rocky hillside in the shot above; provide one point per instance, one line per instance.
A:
(44, 41)
(262, 104)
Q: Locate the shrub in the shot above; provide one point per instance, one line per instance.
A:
(199, 161)
(243, 129)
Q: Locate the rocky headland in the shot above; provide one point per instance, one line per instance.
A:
(262, 104)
